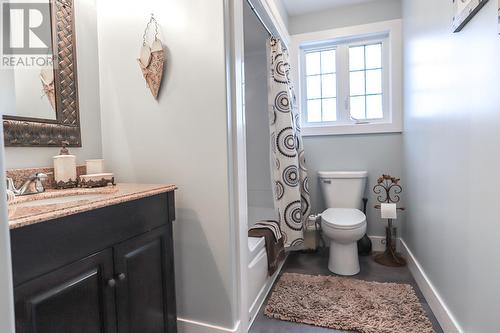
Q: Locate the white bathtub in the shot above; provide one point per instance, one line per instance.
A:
(259, 283)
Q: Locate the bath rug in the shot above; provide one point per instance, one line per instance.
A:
(347, 304)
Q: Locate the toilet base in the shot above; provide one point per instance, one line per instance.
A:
(344, 258)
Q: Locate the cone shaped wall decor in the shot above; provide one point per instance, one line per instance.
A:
(152, 60)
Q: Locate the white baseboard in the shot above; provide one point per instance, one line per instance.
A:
(378, 243)
(438, 306)
(191, 326)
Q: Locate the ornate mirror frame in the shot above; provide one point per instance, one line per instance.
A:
(32, 132)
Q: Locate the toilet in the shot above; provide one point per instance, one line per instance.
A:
(343, 223)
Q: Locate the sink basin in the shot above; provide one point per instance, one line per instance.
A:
(59, 200)
(23, 206)
(62, 196)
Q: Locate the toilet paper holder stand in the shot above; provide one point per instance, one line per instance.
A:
(388, 190)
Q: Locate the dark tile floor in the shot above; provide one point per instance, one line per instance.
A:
(317, 264)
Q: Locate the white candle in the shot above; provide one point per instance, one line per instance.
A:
(94, 166)
(64, 168)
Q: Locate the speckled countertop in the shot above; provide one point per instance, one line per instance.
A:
(31, 209)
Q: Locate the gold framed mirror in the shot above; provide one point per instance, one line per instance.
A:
(60, 91)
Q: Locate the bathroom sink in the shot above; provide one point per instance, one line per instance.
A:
(55, 197)
(51, 200)
(59, 200)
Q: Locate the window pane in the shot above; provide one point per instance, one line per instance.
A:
(328, 61)
(356, 58)
(374, 81)
(313, 87)
(357, 83)
(358, 107)
(313, 63)
(374, 56)
(314, 111)
(329, 85)
(330, 109)
(374, 107)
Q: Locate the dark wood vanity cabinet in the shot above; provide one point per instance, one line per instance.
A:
(87, 284)
(74, 298)
(146, 267)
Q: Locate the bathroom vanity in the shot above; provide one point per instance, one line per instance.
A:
(93, 261)
(83, 260)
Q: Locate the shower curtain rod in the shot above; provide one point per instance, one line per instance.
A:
(260, 18)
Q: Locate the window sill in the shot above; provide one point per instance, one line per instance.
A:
(348, 129)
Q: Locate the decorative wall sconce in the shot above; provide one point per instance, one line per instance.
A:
(152, 59)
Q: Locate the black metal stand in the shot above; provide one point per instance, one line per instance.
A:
(389, 189)
(390, 257)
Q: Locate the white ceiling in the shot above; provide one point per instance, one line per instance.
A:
(298, 7)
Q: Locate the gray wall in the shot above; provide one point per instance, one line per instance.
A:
(260, 192)
(370, 12)
(375, 153)
(88, 89)
(181, 138)
(282, 11)
(451, 145)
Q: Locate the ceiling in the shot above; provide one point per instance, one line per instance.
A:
(298, 7)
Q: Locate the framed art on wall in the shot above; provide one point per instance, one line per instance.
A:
(464, 11)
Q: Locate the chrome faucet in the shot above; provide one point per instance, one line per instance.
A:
(26, 187)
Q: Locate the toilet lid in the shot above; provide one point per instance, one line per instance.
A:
(343, 218)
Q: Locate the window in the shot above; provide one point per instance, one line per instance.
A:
(321, 80)
(350, 85)
(365, 78)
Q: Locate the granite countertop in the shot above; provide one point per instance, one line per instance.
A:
(31, 209)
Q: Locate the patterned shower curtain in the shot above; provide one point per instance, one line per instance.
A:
(289, 172)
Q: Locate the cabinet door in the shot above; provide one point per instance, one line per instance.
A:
(145, 292)
(72, 299)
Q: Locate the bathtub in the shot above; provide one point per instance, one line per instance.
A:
(259, 283)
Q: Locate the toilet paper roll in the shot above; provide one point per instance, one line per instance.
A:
(388, 211)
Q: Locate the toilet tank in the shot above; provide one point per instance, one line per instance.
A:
(343, 189)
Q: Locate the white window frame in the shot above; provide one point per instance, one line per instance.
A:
(389, 34)
(303, 79)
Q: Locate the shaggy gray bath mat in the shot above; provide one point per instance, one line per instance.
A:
(348, 304)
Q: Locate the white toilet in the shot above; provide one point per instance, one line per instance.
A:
(343, 223)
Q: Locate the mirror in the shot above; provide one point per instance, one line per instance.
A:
(39, 94)
(31, 93)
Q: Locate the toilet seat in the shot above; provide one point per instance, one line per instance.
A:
(343, 218)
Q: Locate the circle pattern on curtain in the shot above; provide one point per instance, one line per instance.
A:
(291, 186)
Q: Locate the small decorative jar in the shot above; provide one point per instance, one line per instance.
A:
(65, 168)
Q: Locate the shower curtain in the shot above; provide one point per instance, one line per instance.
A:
(289, 172)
